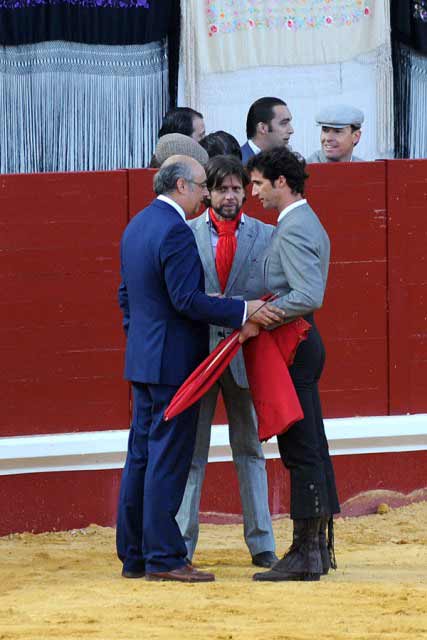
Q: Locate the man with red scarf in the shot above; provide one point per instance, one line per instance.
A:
(231, 245)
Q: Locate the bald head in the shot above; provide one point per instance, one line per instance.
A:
(183, 179)
(186, 161)
(172, 170)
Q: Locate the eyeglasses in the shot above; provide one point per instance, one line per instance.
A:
(202, 185)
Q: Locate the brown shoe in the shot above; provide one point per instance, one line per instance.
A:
(182, 574)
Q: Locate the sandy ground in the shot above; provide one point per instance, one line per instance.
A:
(68, 585)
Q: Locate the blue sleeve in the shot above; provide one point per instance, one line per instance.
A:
(183, 274)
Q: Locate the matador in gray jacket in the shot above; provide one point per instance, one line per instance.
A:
(231, 245)
(296, 266)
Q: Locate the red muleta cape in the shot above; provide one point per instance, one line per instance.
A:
(267, 358)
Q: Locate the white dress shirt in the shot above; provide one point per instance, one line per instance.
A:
(254, 147)
(286, 210)
(173, 204)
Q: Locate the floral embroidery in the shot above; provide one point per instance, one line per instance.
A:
(121, 4)
(228, 16)
(420, 10)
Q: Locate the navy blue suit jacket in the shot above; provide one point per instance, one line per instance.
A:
(165, 310)
(247, 152)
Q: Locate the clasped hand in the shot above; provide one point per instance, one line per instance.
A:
(261, 315)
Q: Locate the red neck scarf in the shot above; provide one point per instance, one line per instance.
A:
(226, 247)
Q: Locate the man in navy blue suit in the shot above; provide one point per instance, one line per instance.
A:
(268, 125)
(166, 316)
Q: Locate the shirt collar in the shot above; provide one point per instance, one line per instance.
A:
(254, 147)
(173, 204)
(294, 205)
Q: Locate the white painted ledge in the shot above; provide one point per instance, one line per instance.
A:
(107, 449)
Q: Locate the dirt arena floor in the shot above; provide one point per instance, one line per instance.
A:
(67, 585)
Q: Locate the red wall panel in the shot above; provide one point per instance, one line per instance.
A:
(407, 206)
(67, 500)
(351, 202)
(60, 338)
(59, 501)
(61, 345)
(140, 189)
(356, 474)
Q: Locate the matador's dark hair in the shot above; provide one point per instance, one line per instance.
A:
(281, 162)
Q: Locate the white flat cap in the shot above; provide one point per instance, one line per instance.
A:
(339, 116)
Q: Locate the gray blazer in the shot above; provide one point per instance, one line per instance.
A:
(296, 262)
(246, 275)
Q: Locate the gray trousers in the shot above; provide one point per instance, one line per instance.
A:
(249, 462)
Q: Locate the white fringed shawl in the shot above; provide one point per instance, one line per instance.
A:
(75, 107)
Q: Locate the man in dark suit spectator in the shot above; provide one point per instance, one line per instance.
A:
(268, 125)
(183, 120)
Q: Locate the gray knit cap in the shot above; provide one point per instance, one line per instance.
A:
(173, 144)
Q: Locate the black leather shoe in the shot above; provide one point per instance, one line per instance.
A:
(265, 559)
(132, 574)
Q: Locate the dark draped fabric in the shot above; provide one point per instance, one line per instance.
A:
(409, 23)
(402, 99)
(409, 45)
(110, 22)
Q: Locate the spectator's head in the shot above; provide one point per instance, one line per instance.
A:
(340, 131)
(226, 182)
(183, 120)
(184, 180)
(268, 123)
(221, 143)
(278, 177)
(173, 144)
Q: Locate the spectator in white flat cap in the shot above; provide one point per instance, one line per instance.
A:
(340, 133)
(173, 144)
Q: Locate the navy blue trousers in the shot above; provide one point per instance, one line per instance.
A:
(153, 482)
(304, 448)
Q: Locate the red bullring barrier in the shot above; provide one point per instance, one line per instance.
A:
(61, 342)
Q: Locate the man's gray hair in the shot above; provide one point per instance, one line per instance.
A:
(165, 179)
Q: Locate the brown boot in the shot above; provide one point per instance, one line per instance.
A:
(326, 544)
(303, 561)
